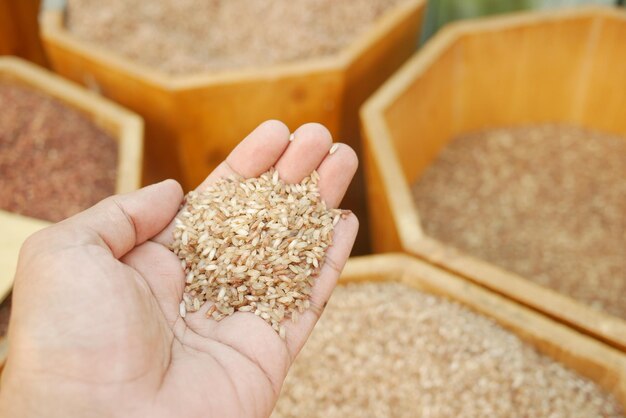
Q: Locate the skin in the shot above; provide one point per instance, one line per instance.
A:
(95, 329)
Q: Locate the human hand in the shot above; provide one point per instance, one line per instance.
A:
(95, 329)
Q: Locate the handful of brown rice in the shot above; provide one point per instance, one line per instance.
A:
(253, 245)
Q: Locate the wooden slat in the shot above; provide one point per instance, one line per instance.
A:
(15, 229)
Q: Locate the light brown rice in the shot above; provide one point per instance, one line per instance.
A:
(387, 350)
(253, 245)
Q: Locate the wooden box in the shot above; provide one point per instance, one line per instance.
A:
(193, 122)
(19, 30)
(560, 66)
(123, 125)
(587, 356)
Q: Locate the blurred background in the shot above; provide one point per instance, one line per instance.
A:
(440, 12)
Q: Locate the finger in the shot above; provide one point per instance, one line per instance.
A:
(344, 235)
(311, 142)
(122, 222)
(256, 154)
(336, 173)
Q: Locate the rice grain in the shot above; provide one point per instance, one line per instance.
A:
(191, 36)
(54, 161)
(547, 202)
(387, 350)
(253, 245)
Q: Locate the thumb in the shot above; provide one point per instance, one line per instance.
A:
(125, 221)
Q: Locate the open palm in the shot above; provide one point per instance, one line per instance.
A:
(95, 328)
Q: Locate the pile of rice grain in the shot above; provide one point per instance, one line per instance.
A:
(253, 245)
(54, 161)
(185, 36)
(386, 350)
(547, 202)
